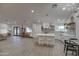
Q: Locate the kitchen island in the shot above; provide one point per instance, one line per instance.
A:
(46, 39)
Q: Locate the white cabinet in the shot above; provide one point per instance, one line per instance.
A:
(36, 29)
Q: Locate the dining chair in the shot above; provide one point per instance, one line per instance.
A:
(66, 42)
(70, 46)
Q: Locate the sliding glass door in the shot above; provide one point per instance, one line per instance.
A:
(16, 31)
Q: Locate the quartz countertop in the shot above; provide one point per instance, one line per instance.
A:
(42, 34)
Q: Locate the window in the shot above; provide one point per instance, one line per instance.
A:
(61, 28)
(28, 29)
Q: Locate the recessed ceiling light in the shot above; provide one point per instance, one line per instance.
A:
(63, 8)
(32, 11)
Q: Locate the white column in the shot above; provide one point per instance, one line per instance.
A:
(36, 29)
(77, 27)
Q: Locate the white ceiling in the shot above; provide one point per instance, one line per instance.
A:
(21, 13)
